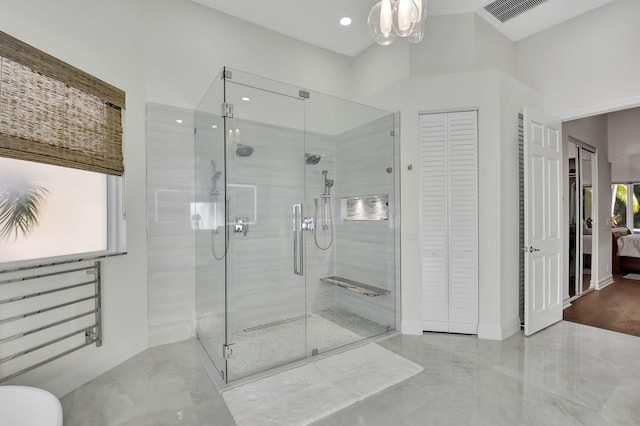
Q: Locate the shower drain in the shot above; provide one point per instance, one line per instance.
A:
(273, 324)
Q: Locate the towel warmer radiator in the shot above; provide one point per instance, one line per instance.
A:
(47, 315)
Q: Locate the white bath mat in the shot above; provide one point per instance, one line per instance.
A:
(308, 393)
(632, 276)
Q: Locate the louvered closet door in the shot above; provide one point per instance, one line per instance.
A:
(449, 224)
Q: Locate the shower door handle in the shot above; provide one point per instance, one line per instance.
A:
(297, 240)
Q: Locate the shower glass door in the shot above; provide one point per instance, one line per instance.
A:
(208, 224)
(265, 147)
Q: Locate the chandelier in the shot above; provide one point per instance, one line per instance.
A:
(389, 19)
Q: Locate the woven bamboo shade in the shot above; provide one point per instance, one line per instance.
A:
(54, 113)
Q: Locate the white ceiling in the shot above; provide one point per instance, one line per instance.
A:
(316, 21)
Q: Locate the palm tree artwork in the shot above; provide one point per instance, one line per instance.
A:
(20, 205)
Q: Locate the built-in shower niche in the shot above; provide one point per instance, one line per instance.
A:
(367, 207)
(287, 157)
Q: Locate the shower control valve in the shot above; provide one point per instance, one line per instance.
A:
(307, 224)
(241, 224)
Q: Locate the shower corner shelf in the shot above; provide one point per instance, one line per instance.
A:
(358, 287)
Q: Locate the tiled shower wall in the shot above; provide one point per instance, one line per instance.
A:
(171, 252)
(262, 286)
(365, 249)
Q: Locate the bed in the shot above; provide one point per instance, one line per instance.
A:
(625, 249)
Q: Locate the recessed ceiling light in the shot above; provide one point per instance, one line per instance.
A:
(179, 121)
(213, 126)
(345, 21)
(244, 98)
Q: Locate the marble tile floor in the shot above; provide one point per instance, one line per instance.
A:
(568, 374)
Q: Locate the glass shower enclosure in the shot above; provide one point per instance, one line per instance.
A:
(295, 215)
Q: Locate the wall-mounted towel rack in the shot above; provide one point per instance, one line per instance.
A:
(47, 315)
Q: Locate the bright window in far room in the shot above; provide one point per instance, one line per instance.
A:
(625, 206)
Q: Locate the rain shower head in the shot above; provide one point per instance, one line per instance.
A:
(244, 150)
(312, 158)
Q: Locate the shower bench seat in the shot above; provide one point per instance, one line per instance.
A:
(358, 287)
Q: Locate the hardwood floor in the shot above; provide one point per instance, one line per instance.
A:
(616, 307)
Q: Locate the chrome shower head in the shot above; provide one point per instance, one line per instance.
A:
(244, 150)
(312, 159)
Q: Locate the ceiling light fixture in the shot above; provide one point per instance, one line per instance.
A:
(389, 19)
(345, 21)
(246, 99)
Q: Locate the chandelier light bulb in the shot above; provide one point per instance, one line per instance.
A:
(381, 27)
(418, 31)
(386, 16)
(389, 19)
(418, 16)
(405, 15)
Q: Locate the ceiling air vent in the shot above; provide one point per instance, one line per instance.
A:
(504, 10)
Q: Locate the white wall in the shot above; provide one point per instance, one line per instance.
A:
(624, 145)
(497, 318)
(103, 39)
(187, 44)
(459, 43)
(444, 74)
(586, 65)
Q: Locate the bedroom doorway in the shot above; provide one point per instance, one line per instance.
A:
(582, 217)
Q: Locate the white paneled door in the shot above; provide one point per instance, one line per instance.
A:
(449, 221)
(543, 171)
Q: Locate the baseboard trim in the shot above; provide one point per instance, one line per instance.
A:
(605, 282)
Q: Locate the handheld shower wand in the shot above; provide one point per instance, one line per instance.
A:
(328, 183)
(327, 219)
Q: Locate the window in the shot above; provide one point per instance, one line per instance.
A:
(55, 213)
(635, 194)
(60, 160)
(625, 206)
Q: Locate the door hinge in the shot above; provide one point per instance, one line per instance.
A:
(303, 94)
(227, 110)
(392, 133)
(227, 350)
